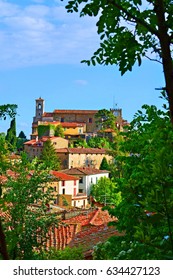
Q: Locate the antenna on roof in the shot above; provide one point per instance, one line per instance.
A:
(115, 105)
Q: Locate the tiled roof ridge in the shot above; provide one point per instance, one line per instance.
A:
(74, 111)
(63, 176)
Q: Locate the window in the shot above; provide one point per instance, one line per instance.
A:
(55, 189)
(74, 191)
(63, 183)
(91, 180)
(81, 180)
(90, 120)
(74, 182)
(62, 119)
(63, 191)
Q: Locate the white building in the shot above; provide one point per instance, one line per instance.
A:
(88, 176)
(66, 190)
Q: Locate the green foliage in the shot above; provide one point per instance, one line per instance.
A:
(105, 191)
(98, 142)
(80, 143)
(22, 135)
(24, 223)
(104, 164)
(8, 110)
(120, 42)
(66, 254)
(129, 31)
(145, 213)
(49, 156)
(59, 131)
(21, 139)
(5, 110)
(44, 130)
(4, 152)
(11, 135)
(105, 119)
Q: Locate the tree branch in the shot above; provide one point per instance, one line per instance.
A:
(152, 59)
(135, 18)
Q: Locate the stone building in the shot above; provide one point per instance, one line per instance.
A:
(82, 157)
(86, 117)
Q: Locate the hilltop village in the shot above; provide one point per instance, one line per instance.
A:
(82, 220)
(79, 166)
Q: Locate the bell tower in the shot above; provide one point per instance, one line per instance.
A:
(39, 109)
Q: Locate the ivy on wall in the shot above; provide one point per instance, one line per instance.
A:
(45, 129)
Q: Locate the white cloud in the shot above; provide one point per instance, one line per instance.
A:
(40, 34)
(81, 82)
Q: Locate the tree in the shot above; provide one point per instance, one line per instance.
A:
(145, 213)
(65, 254)
(22, 135)
(59, 131)
(105, 119)
(131, 30)
(104, 164)
(25, 225)
(98, 142)
(8, 110)
(49, 156)
(21, 139)
(11, 135)
(5, 110)
(104, 191)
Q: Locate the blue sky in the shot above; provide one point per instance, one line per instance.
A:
(41, 47)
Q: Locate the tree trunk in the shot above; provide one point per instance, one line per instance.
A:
(3, 247)
(165, 43)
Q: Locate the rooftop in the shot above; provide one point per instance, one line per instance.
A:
(81, 150)
(72, 111)
(84, 171)
(62, 176)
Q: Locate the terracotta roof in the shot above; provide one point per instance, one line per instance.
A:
(62, 176)
(47, 114)
(81, 150)
(35, 142)
(63, 124)
(84, 171)
(30, 142)
(94, 230)
(75, 111)
(14, 156)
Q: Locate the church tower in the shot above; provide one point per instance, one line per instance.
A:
(39, 110)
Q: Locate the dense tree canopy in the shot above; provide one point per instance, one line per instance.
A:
(59, 131)
(26, 226)
(49, 156)
(131, 30)
(5, 110)
(104, 191)
(145, 213)
(105, 119)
